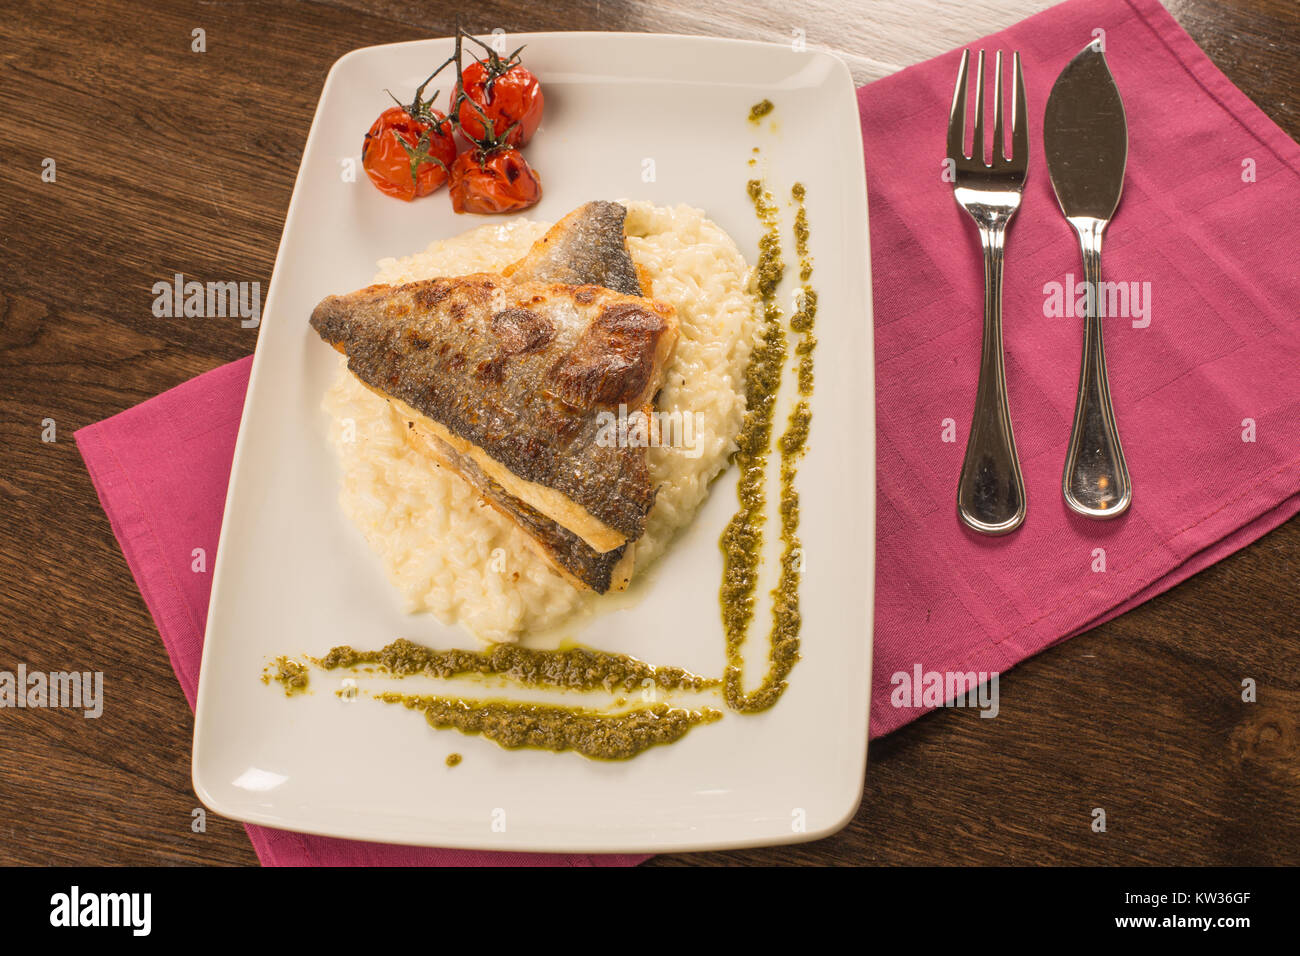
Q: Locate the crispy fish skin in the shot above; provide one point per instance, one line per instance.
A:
(520, 371)
(586, 247)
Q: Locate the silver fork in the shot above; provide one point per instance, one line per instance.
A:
(991, 491)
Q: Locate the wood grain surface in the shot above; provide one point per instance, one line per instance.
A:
(172, 161)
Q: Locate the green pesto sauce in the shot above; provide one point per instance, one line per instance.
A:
(801, 233)
(759, 110)
(576, 668)
(742, 539)
(289, 674)
(516, 724)
(803, 319)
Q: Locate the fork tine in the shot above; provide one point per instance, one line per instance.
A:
(957, 118)
(999, 141)
(977, 146)
(1020, 118)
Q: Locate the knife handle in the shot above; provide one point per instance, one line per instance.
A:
(991, 490)
(1096, 480)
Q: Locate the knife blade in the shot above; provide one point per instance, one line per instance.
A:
(1085, 136)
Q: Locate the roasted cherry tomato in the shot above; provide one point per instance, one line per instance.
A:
(409, 155)
(502, 92)
(493, 179)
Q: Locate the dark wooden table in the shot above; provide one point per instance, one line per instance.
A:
(169, 161)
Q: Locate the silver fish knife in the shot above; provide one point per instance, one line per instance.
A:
(1086, 140)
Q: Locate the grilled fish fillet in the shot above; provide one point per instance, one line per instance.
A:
(503, 378)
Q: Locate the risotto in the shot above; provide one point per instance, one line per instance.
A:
(451, 554)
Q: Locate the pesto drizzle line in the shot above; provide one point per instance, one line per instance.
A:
(742, 540)
(802, 320)
(574, 668)
(514, 723)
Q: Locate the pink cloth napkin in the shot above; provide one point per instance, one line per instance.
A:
(1221, 347)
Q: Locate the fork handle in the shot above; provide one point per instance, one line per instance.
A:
(991, 490)
(1096, 480)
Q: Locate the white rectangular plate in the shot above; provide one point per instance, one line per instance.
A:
(293, 576)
